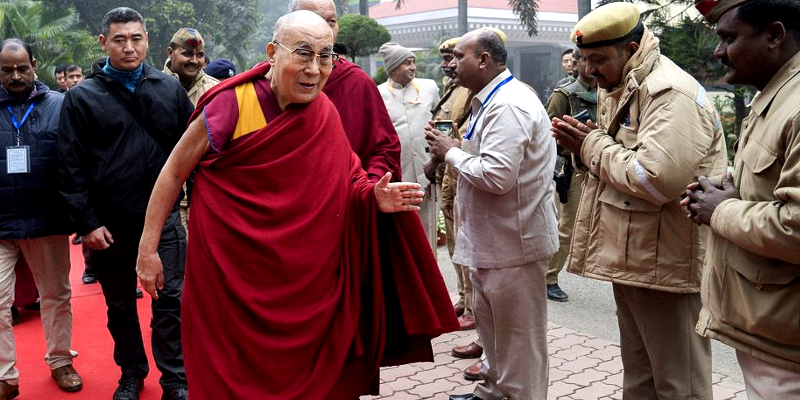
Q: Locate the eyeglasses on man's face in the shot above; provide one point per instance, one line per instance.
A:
(305, 56)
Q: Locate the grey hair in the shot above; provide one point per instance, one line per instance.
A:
(295, 5)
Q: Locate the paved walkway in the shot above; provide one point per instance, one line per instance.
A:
(581, 368)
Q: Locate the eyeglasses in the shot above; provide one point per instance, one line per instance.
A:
(304, 57)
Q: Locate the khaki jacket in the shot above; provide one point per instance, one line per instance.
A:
(201, 84)
(456, 109)
(658, 132)
(751, 288)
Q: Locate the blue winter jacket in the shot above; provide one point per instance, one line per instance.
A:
(30, 204)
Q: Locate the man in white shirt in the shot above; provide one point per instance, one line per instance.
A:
(409, 102)
(507, 217)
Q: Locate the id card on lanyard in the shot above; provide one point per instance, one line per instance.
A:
(18, 157)
(471, 123)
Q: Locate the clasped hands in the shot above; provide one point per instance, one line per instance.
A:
(570, 133)
(703, 197)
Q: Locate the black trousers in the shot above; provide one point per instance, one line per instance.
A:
(115, 269)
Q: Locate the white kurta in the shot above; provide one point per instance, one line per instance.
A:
(410, 109)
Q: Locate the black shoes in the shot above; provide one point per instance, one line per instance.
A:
(129, 388)
(88, 277)
(470, 396)
(556, 294)
(176, 394)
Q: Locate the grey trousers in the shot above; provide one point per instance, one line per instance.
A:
(511, 314)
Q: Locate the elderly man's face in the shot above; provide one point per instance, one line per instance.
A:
(17, 73)
(325, 9)
(293, 80)
(404, 73)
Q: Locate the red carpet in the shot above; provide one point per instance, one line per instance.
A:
(90, 339)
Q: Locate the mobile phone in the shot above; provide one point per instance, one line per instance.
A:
(444, 126)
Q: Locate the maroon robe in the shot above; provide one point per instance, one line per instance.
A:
(366, 121)
(288, 292)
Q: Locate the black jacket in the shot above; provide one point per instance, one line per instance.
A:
(108, 162)
(31, 205)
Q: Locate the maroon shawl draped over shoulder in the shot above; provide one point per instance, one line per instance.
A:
(365, 119)
(289, 292)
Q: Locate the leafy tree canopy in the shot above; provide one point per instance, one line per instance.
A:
(362, 35)
(227, 26)
(54, 35)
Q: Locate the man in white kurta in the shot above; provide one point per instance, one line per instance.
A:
(409, 102)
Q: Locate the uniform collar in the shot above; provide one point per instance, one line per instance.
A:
(168, 70)
(789, 70)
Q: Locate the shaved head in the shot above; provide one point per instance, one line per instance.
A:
(324, 8)
(301, 20)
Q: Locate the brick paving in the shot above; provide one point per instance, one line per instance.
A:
(581, 368)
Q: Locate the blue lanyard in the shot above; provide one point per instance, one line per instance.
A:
(470, 127)
(18, 125)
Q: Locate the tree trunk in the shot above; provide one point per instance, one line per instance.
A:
(462, 17)
(363, 7)
(584, 7)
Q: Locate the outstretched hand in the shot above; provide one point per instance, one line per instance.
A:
(703, 197)
(397, 196)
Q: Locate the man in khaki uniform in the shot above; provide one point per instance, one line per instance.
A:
(751, 288)
(454, 106)
(657, 131)
(186, 58)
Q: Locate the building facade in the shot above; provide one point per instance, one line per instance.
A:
(535, 60)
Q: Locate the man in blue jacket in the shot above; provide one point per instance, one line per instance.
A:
(33, 220)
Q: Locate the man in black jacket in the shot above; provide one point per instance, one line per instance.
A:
(117, 129)
(33, 219)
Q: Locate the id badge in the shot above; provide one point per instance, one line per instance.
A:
(18, 159)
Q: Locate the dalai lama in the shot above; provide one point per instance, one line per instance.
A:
(291, 290)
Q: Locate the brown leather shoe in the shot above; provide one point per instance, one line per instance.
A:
(473, 372)
(466, 323)
(8, 391)
(67, 378)
(472, 350)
